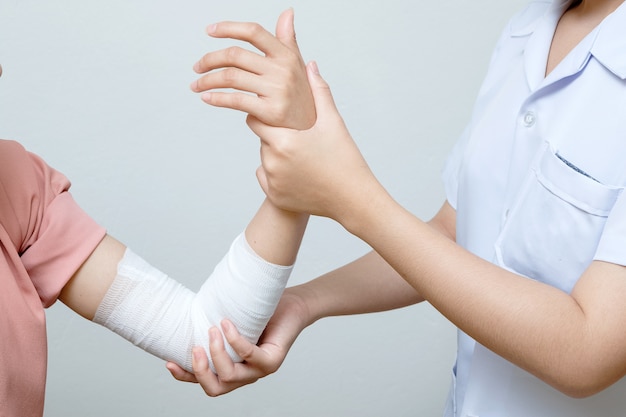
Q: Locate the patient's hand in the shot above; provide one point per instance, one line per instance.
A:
(271, 86)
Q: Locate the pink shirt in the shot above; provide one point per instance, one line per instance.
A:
(44, 238)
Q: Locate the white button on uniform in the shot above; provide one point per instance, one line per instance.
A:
(529, 119)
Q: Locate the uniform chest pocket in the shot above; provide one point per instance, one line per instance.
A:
(552, 231)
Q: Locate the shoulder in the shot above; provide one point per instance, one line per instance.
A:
(27, 186)
(10, 149)
(20, 167)
(15, 164)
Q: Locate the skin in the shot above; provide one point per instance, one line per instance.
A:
(574, 342)
(273, 233)
(277, 77)
(281, 96)
(575, 24)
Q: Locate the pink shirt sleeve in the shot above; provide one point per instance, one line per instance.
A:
(52, 234)
(67, 237)
(44, 238)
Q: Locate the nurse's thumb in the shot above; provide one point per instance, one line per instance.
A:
(324, 102)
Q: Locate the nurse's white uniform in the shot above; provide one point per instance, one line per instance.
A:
(537, 180)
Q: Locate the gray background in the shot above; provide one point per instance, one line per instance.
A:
(100, 90)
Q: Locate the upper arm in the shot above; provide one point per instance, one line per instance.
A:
(88, 286)
(601, 292)
(599, 359)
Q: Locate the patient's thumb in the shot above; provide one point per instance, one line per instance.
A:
(285, 30)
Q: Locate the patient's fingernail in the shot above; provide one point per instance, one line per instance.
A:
(214, 334)
(226, 325)
(211, 29)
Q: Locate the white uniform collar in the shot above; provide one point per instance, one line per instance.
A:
(526, 22)
(609, 47)
(607, 42)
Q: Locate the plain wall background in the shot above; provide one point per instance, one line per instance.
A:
(100, 90)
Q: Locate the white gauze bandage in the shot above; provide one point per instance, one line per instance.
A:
(156, 313)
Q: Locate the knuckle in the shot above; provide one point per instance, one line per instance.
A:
(229, 75)
(229, 100)
(246, 353)
(270, 369)
(292, 75)
(232, 53)
(211, 393)
(283, 148)
(237, 100)
(279, 114)
(254, 29)
(210, 390)
(227, 378)
(251, 121)
(269, 165)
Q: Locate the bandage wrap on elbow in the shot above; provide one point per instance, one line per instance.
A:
(161, 316)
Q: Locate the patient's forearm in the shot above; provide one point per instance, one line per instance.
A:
(275, 234)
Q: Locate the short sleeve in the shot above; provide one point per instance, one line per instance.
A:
(67, 237)
(452, 168)
(51, 233)
(612, 246)
(454, 161)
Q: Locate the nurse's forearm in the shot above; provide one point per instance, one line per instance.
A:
(366, 285)
(535, 326)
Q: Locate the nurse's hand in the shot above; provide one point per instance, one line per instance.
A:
(289, 319)
(280, 93)
(318, 171)
(231, 375)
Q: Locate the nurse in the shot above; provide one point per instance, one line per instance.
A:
(526, 256)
